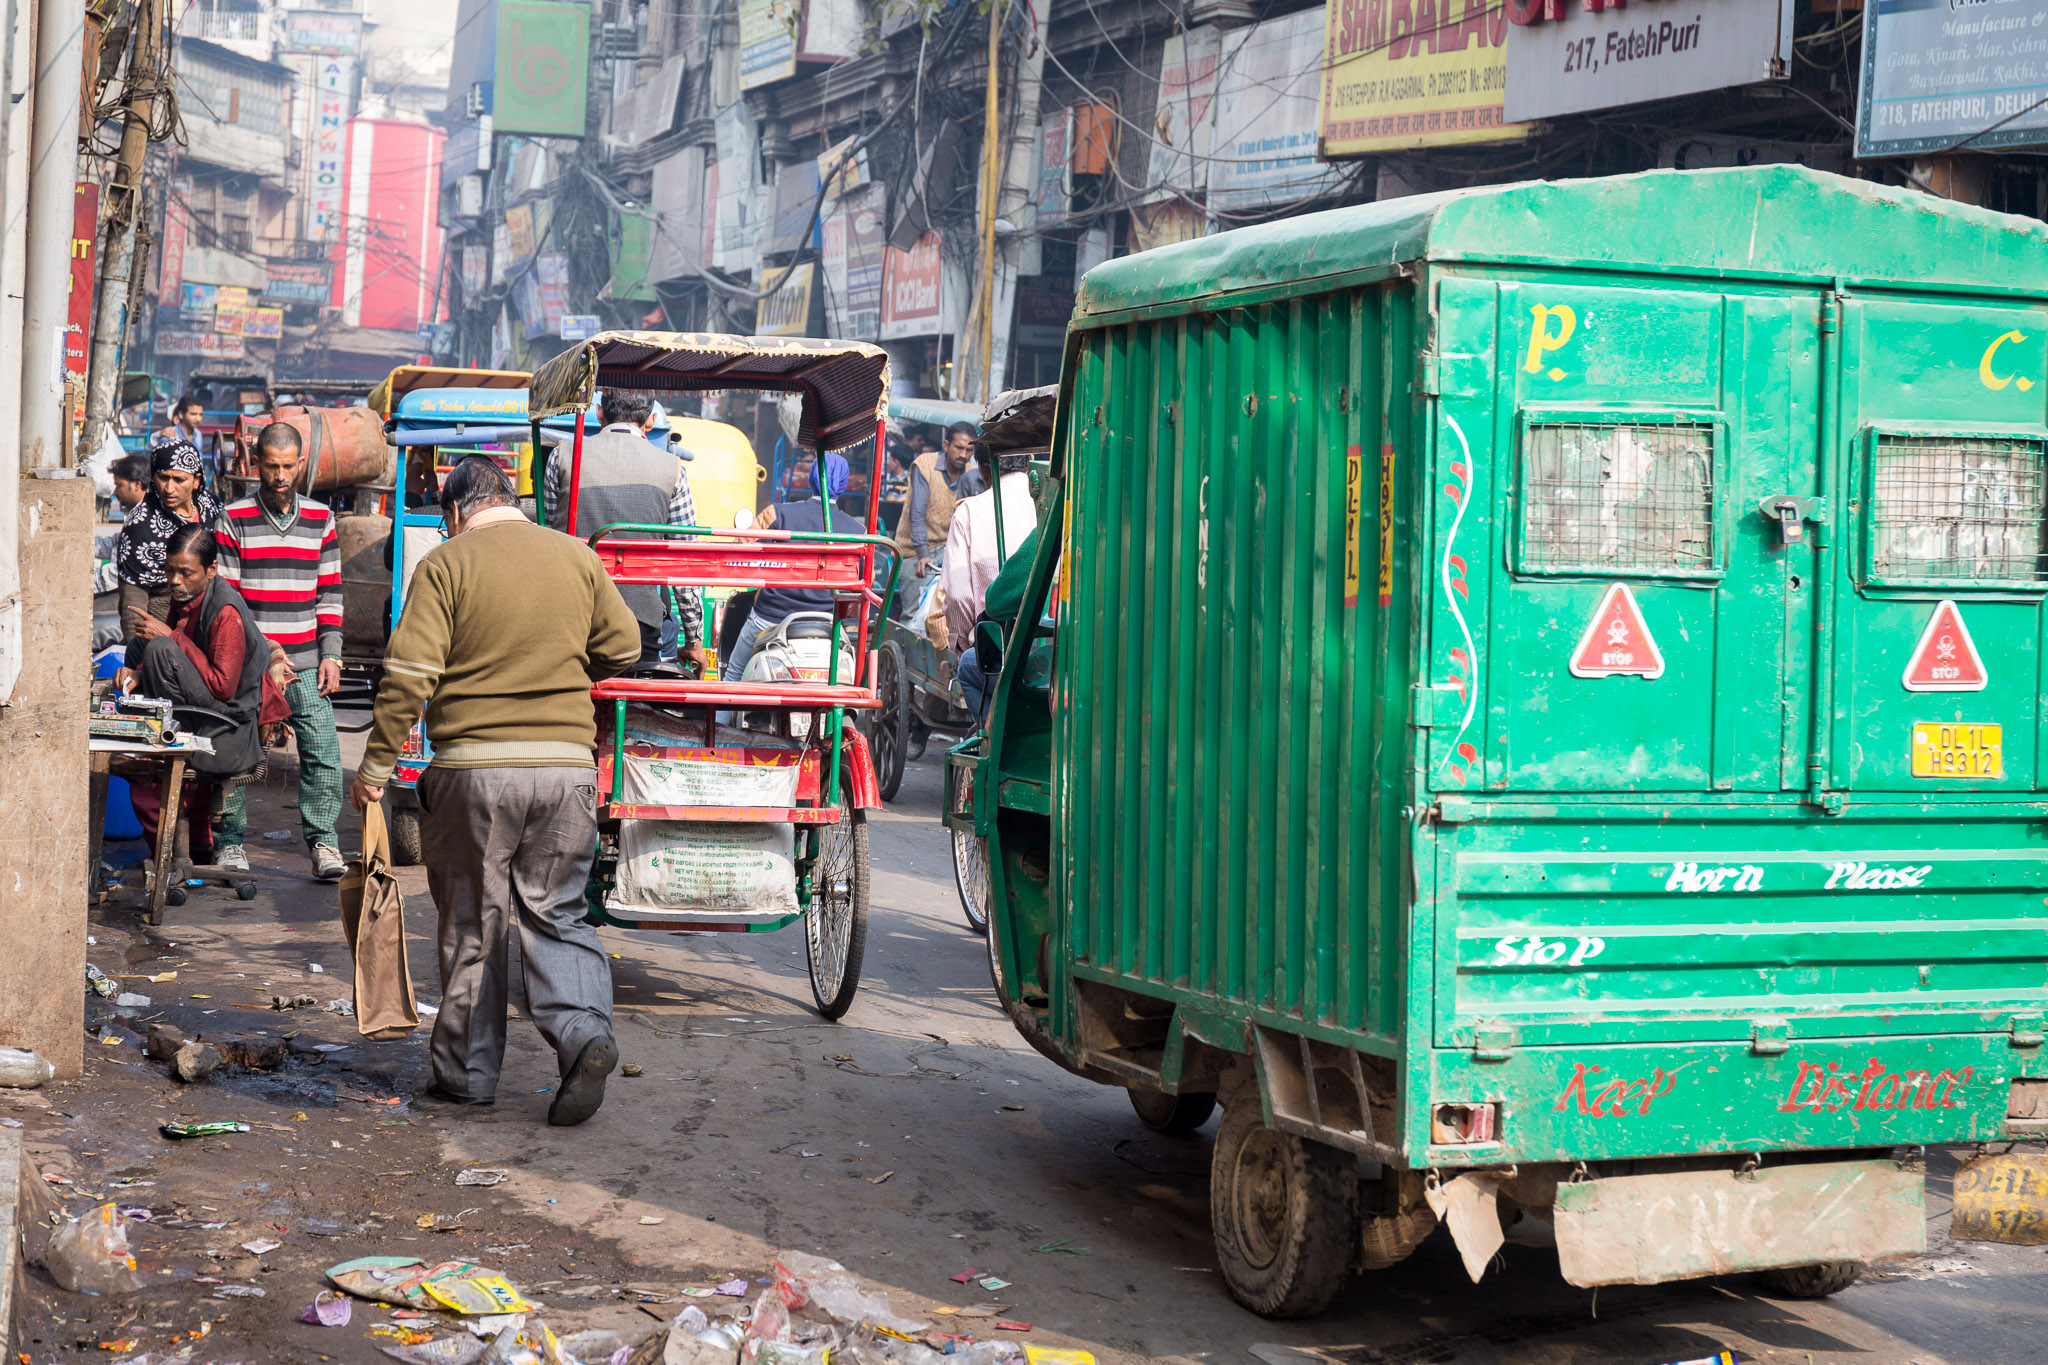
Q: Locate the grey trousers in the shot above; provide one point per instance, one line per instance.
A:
(510, 847)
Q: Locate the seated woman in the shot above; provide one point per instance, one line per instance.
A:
(210, 656)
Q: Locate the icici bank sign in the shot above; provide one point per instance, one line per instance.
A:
(1575, 56)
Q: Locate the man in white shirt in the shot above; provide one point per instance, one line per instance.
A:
(973, 559)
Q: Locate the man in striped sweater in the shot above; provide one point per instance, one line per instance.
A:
(282, 552)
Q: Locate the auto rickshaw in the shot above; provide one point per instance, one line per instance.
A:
(776, 813)
(1543, 724)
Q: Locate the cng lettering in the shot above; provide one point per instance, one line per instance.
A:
(1826, 1089)
(1613, 1099)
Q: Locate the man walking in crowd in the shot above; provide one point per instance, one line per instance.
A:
(625, 479)
(938, 480)
(185, 419)
(282, 552)
(973, 559)
(506, 627)
(130, 474)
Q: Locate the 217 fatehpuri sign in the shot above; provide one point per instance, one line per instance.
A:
(1576, 56)
(1942, 75)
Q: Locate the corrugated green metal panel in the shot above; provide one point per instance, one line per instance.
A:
(1223, 672)
(1783, 221)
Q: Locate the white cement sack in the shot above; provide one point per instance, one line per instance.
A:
(703, 782)
(704, 865)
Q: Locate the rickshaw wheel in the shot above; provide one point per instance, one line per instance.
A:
(402, 819)
(836, 927)
(891, 722)
(1284, 1212)
(970, 877)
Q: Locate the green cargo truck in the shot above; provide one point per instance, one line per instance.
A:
(1537, 709)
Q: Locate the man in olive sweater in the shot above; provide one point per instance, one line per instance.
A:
(506, 626)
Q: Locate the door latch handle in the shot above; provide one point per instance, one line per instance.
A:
(1790, 514)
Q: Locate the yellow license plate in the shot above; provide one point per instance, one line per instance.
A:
(1953, 749)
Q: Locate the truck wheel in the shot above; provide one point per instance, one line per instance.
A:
(1284, 1211)
(403, 822)
(1812, 1281)
(1173, 1115)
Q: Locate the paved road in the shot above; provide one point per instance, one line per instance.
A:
(920, 1137)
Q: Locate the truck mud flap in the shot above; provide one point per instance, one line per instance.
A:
(1646, 1229)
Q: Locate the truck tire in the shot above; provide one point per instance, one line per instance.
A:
(1284, 1212)
(1173, 1115)
(1811, 1281)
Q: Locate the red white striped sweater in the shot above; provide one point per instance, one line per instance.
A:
(291, 579)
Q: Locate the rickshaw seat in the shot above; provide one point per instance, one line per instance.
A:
(734, 695)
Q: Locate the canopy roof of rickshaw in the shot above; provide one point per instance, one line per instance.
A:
(1020, 419)
(441, 406)
(845, 384)
(410, 378)
(935, 411)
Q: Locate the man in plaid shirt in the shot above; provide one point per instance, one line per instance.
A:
(625, 479)
(282, 552)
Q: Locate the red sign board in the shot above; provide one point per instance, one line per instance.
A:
(1946, 658)
(1617, 641)
(85, 235)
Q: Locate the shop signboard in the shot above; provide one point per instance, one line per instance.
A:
(543, 68)
(855, 237)
(1055, 186)
(171, 269)
(264, 323)
(1266, 113)
(1182, 125)
(581, 326)
(768, 36)
(796, 208)
(911, 290)
(1573, 59)
(786, 311)
(1395, 78)
(85, 235)
(323, 30)
(1042, 318)
(296, 281)
(333, 104)
(1963, 76)
(212, 345)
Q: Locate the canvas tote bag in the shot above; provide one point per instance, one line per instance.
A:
(373, 917)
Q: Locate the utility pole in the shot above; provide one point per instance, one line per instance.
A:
(52, 205)
(123, 215)
(983, 326)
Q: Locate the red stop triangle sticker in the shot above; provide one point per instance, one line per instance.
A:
(1946, 659)
(1616, 641)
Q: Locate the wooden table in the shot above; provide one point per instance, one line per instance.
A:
(134, 760)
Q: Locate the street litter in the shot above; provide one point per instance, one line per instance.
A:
(482, 1175)
(408, 1282)
(344, 1008)
(733, 1289)
(277, 834)
(293, 1002)
(632, 1069)
(964, 1276)
(201, 1130)
(6, 1122)
(441, 1222)
(649, 1220)
(1045, 1355)
(1718, 1358)
(129, 1000)
(1063, 1247)
(262, 1246)
(992, 1284)
(90, 1254)
(162, 977)
(99, 983)
(239, 1291)
(398, 1332)
(329, 1308)
(1013, 1327)
(23, 1070)
(878, 1179)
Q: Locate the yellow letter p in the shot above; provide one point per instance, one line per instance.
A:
(1542, 339)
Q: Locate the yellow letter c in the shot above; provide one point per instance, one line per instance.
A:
(1993, 381)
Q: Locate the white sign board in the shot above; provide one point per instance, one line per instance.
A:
(1599, 59)
(1937, 74)
(334, 90)
(1266, 116)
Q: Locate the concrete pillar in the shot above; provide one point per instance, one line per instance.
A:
(43, 780)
